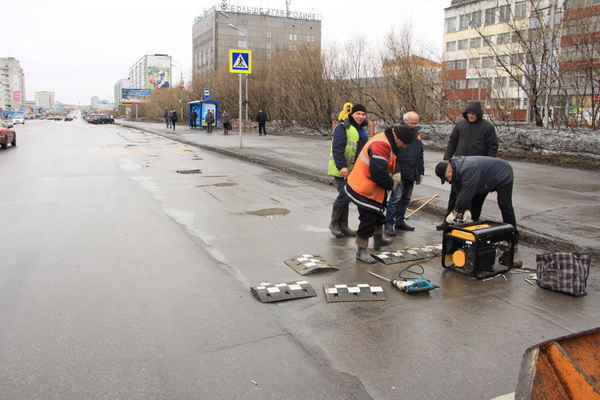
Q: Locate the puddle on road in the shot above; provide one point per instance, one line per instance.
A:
(269, 212)
(222, 184)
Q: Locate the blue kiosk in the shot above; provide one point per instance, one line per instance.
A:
(201, 107)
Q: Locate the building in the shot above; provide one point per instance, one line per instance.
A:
(495, 52)
(264, 31)
(151, 72)
(580, 62)
(12, 81)
(95, 103)
(121, 84)
(46, 100)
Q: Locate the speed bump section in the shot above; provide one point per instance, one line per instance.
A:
(271, 292)
(309, 264)
(353, 292)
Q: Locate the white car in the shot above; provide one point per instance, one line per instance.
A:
(18, 119)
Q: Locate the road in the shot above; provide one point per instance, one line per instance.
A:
(122, 278)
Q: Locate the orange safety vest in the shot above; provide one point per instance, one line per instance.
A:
(360, 178)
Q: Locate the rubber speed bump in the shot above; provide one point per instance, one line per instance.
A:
(270, 292)
(309, 264)
(418, 253)
(356, 292)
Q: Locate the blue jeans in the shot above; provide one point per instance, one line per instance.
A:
(398, 203)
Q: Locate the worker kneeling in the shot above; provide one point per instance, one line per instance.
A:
(368, 183)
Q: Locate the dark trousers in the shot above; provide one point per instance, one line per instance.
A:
(368, 221)
(262, 129)
(504, 203)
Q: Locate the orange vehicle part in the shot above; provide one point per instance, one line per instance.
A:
(564, 368)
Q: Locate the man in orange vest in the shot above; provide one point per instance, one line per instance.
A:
(367, 185)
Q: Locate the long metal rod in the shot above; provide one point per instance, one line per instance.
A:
(379, 276)
(240, 112)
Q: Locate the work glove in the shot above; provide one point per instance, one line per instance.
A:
(396, 178)
(467, 217)
(418, 182)
(452, 217)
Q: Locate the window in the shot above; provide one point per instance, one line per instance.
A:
(503, 38)
(476, 19)
(461, 84)
(514, 82)
(473, 83)
(449, 65)
(500, 81)
(463, 44)
(504, 13)
(516, 59)
(487, 62)
(450, 46)
(459, 104)
(502, 60)
(490, 16)
(475, 62)
(450, 25)
(489, 40)
(461, 64)
(475, 42)
(269, 35)
(463, 22)
(485, 83)
(520, 11)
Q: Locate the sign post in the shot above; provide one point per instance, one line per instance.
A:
(240, 62)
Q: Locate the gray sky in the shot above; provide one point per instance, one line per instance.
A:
(81, 48)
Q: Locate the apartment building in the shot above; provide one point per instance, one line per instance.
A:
(264, 31)
(46, 100)
(12, 81)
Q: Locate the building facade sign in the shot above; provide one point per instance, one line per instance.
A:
(272, 12)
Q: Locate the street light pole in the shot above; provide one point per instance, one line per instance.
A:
(181, 86)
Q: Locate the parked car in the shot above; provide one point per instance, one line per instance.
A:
(7, 135)
(18, 119)
(68, 118)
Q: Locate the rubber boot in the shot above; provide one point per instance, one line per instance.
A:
(362, 254)
(334, 225)
(378, 239)
(344, 222)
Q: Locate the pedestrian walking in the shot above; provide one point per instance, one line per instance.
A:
(226, 122)
(167, 118)
(349, 137)
(193, 119)
(367, 185)
(209, 119)
(471, 136)
(261, 118)
(174, 118)
(411, 166)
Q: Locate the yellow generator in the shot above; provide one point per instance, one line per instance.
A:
(476, 248)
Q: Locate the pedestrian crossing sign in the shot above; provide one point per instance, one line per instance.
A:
(240, 61)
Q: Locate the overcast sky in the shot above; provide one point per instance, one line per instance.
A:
(81, 48)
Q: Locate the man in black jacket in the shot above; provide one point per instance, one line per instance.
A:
(471, 136)
(473, 178)
(411, 166)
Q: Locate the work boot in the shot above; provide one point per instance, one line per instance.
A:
(362, 254)
(378, 239)
(442, 226)
(334, 225)
(389, 231)
(404, 227)
(344, 222)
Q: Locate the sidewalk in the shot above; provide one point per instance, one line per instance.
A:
(557, 208)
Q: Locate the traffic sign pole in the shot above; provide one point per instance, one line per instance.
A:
(240, 62)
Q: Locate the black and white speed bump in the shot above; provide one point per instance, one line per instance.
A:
(309, 264)
(417, 253)
(270, 292)
(356, 292)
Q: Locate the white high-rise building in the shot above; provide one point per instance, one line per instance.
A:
(47, 100)
(12, 81)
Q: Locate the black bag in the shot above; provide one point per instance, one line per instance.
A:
(563, 272)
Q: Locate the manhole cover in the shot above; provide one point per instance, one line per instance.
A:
(190, 171)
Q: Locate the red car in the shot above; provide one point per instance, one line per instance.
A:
(7, 135)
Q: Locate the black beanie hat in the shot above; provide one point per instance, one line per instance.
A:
(440, 170)
(404, 133)
(358, 107)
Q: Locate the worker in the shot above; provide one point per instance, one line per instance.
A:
(474, 177)
(367, 185)
(349, 137)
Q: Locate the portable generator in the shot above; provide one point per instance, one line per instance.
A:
(474, 248)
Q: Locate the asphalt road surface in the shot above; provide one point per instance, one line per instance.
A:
(124, 278)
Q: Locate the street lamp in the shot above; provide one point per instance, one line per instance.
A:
(181, 85)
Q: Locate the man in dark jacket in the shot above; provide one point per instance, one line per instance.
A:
(411, 166)
(261, 118)
(471, 136)
(474, 177)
